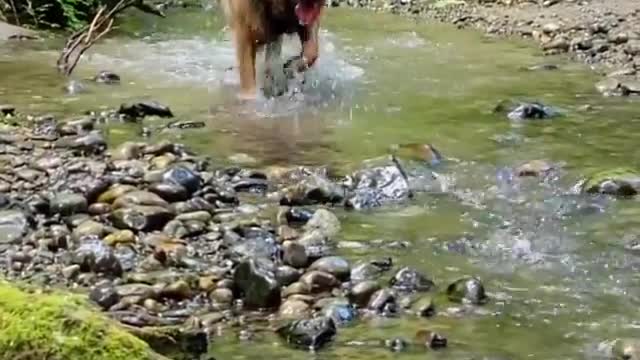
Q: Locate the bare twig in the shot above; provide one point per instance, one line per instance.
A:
(80, 41)
(15, 12)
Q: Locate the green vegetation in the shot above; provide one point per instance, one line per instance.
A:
(52, 14)
(35, 325)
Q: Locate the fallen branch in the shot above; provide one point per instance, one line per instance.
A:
(80, 41)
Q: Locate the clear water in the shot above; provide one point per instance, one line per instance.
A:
(553, 263)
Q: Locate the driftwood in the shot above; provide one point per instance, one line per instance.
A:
(102, 23)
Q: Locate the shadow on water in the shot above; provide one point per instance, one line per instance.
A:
(552, 260)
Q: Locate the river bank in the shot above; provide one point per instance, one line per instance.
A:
(601, 33)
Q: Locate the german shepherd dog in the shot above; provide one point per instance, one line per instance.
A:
(261, 23)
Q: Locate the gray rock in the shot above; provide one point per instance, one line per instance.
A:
(633, 48)
(361, 293)
(95, 256)
(294, 309)
(319, 281)
(467, 290)
(294, 254)
(325, 222)
(107, 77)
(141, 218)
(383, 301)
(184, 177)
(105, 296)
(139, 197)
(14, 225)
(222, 296)
(145, 108)
(309, 333)
(66, 203)
(410, 280)
(256, 282)
(335, 265)
(170, 192)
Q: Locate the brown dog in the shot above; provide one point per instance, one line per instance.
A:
(257, 23)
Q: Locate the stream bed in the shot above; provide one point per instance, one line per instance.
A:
(554, 264)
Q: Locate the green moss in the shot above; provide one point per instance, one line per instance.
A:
(61, 326)
(620, 181)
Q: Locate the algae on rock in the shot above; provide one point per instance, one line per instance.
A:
(38, 325)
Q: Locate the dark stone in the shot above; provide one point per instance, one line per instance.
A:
(170, 192)
(341, 313)
(145, 108)
(430, 339)
(105, 296)
(91, 143)
(141, 218)
(256, 282)
(309, 333)
(251, 185)
(617, 182)
(313, 190)
(410, 280)
(396, 344)
(184, 177)
(361, 293)
(298, 216)
(14, 224)
(335, 265)
(533, 110)
(7, 110)
(381, 300)
(467, 290)
(94, 256)
(68, 204)
(185, 125)
(107, 77)
(370, 270)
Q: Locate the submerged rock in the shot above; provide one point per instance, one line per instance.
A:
(410, 280)
(534, 168)
(532, 111)
(107, 77)
(619, 182)
(377, 186)
(313, 189)
(467, 290)
(7, 110)
(145, 108)
(430, 339)
(256, 282)
(341, 312)
(309, 333)
(417, 152)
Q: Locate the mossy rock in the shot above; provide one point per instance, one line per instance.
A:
(618, 182)
(55, 326)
